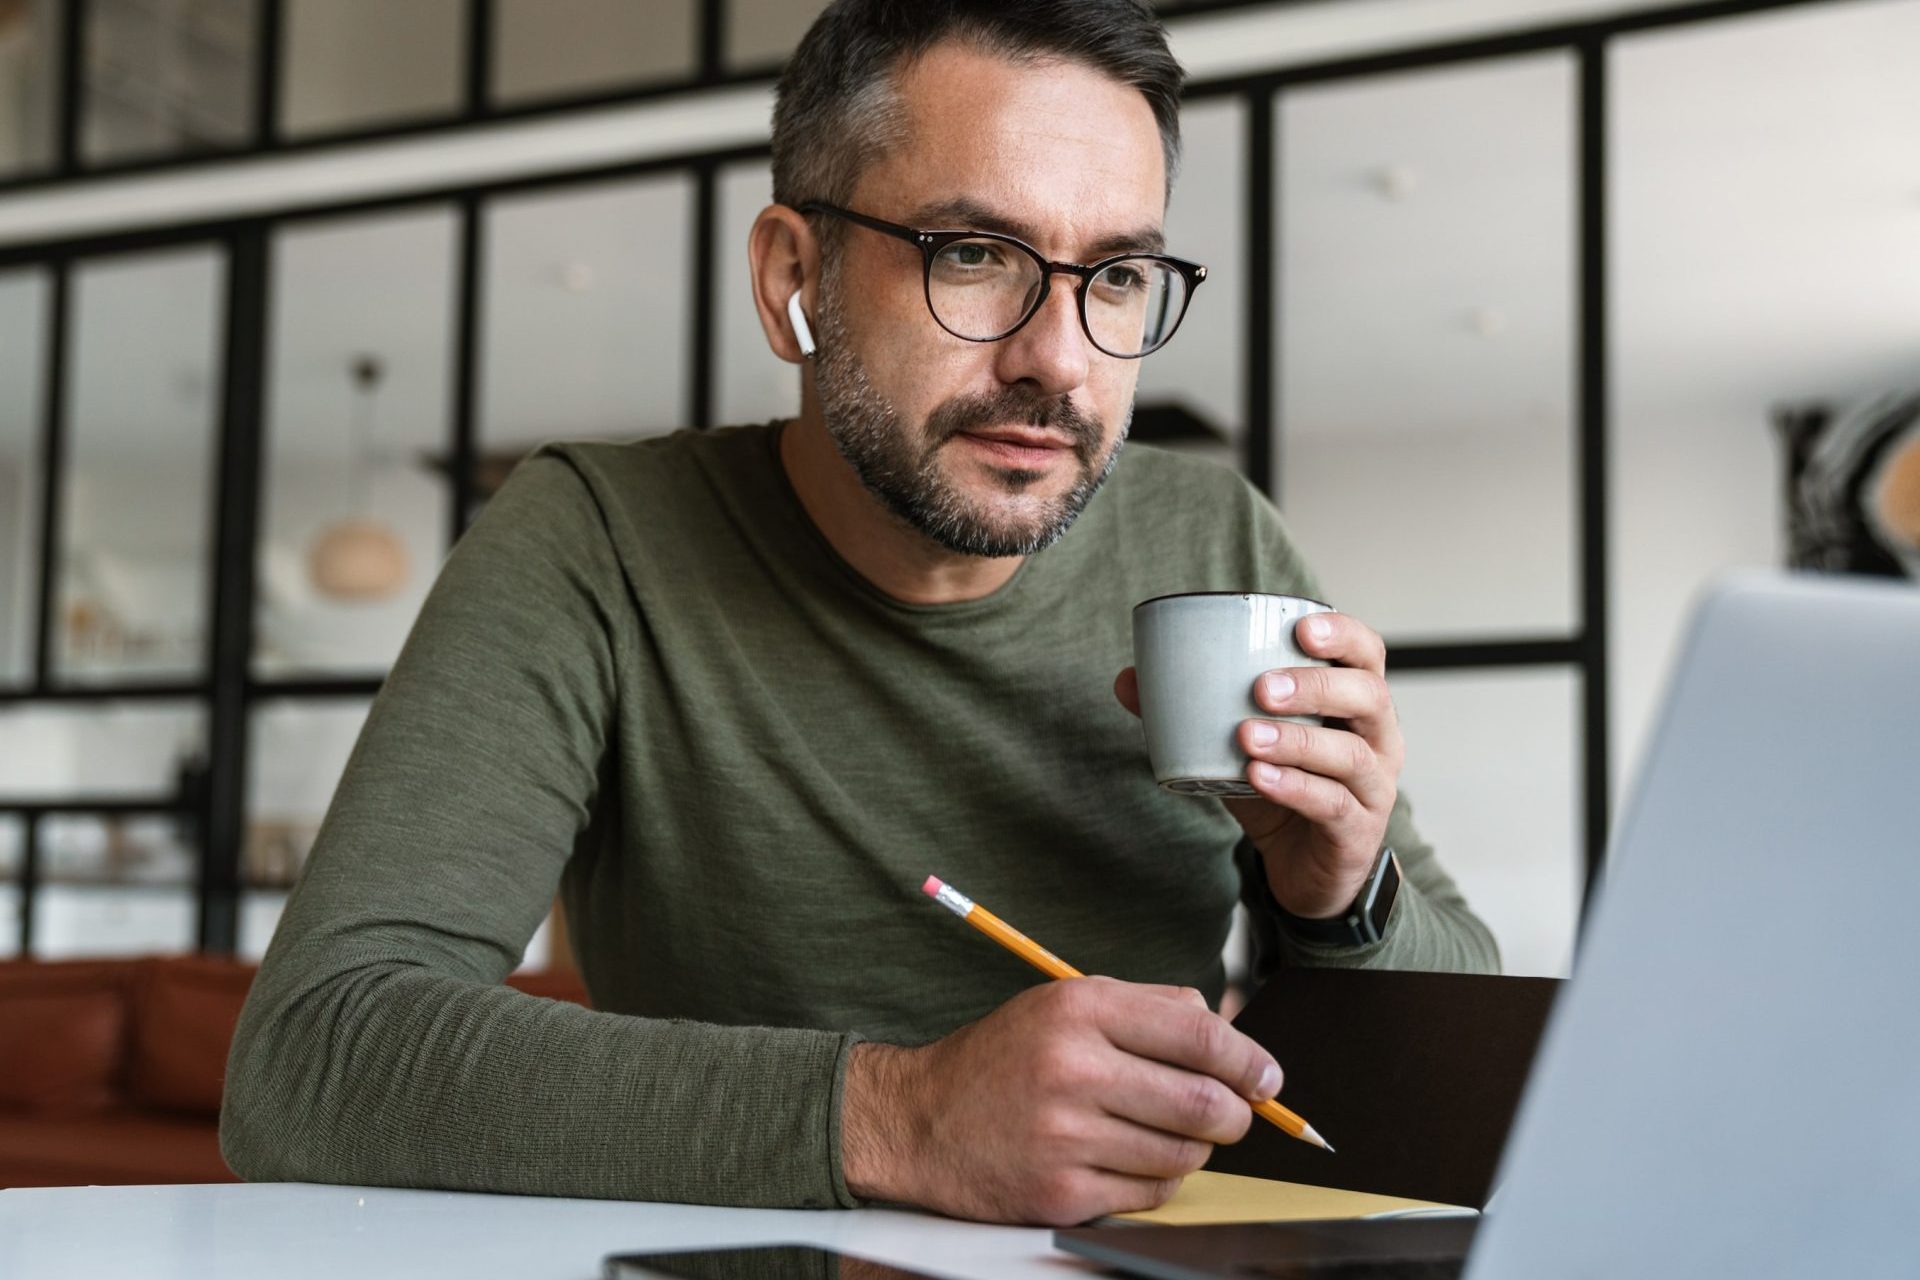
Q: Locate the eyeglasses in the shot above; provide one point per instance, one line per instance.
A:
(983, 286)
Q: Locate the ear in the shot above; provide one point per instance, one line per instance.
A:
(784, 261)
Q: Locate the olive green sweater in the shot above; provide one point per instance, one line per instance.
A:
(645, 680)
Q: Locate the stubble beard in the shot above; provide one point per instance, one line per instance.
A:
(901, 465)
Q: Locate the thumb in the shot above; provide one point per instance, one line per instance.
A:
(1126, 687)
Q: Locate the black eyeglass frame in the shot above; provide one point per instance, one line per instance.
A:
(931, 243)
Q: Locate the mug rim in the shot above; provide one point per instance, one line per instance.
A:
(1192, 595)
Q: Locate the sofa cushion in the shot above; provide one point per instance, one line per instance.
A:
(112, 1148)
(64, 1025)
(552, 984)
(63, 1050)
(183, 1019)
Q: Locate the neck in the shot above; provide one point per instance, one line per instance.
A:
(886, 551)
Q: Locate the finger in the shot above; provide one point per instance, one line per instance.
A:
(1188, 994)
(1098, 1192)
(1139, 1193)
(1182, 1036)
(1343, 640)
(1319, 800)
(1126, 687)
(1121, 1146)
(1361, 698)
(1184, 1104)
(1345, 757)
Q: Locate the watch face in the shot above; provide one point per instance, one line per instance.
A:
(1384, 888)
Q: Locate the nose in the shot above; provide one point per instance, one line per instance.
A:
(1050, 353)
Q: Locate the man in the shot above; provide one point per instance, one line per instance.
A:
(737, 694)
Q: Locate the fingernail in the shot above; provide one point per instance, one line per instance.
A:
(1279, 687)
(1269, 1083)
(1319, 627)
(1263, 734)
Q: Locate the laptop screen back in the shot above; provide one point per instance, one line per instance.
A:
(1728, 1086)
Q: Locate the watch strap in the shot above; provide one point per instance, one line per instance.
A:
(1365, 919)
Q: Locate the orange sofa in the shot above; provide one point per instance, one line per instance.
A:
(111, 1070)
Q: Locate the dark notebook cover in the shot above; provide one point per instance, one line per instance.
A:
(1413, 1077)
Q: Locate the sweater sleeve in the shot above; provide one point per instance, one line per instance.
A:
(378, 1045)
(1431, 926)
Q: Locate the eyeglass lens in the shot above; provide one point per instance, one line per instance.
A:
(983, 289)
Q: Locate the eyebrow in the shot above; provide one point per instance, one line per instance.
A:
(966, 213)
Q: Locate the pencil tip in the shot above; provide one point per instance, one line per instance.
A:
(1312, 1135)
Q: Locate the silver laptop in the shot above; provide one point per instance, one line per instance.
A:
(1730, 1085)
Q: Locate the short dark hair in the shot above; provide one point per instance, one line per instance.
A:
(836, 109)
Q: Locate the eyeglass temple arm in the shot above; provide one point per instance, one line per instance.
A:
(893, 229)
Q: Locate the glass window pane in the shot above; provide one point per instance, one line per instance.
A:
(588, 294)
(1426, 345)
(1492, 765)
(125, 749)
(137, 512)
(13, 850)
(91, 920)
(356, 513)
(29, 88)
(362, 64)
(563, 48)
(117, 849)
(761, 33)
(23, 335)
(168, 77)
(1190, 392)
(13, 841)
(751, 384)
(9, 921)
(296, 754)
(1765, 205)
(260, 912)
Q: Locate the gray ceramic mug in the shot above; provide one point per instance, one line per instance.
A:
(1197, 657)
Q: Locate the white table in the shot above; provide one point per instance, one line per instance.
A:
(298, 1231)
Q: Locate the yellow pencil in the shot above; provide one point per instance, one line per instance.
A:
(1054, 967)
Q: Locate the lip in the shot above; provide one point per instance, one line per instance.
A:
(1014, 447)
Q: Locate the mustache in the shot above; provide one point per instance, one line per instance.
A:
(1052, 413)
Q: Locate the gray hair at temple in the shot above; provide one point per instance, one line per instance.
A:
(836, 108)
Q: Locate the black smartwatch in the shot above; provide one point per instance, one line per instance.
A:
(1363, 922)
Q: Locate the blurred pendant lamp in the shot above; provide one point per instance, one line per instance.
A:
(359, 558)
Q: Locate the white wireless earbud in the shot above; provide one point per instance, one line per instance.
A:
(801, 331)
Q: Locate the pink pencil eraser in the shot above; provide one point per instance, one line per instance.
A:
(932, 887)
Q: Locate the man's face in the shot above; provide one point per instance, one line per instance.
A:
(988, 448)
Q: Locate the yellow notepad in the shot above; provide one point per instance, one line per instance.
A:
(1208, 1197)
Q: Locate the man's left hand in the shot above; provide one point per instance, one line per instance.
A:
(1325, 793)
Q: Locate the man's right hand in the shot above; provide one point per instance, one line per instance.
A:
(1072, 1100)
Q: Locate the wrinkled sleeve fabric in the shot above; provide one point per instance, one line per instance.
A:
(1431, 926)
(377, 1045)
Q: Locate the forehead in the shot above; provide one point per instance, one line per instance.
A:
(1066, 152)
